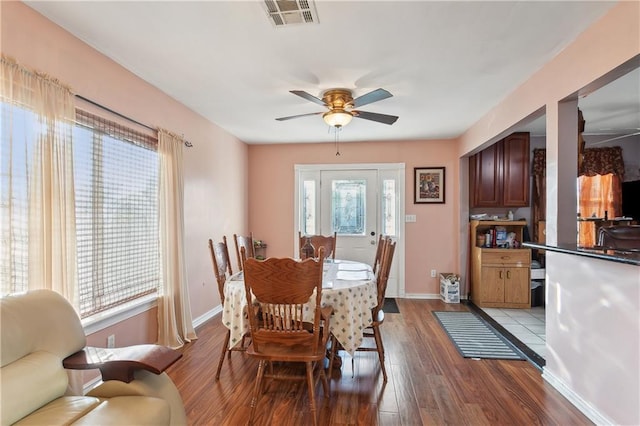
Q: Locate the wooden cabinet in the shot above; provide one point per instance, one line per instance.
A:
(500, 277)
(499, 175)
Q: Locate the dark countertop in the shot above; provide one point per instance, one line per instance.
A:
(628, 256)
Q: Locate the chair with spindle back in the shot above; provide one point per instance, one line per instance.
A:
(246, 242)
(382, 240)
(326, 241)
(279, 289)
(222, 270)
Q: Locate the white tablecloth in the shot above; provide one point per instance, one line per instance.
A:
(349, 287)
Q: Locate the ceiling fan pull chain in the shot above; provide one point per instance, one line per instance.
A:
(336, 133)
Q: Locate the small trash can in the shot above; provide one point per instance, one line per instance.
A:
(537, 293)
(449, 287)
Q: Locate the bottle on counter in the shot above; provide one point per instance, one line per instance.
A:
(510, 215)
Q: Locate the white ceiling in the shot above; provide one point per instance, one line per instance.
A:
(446, 63)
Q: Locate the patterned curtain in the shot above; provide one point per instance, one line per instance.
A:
(603, 161)
(539, 189)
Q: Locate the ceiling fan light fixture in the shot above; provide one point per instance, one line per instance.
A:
(337, 118)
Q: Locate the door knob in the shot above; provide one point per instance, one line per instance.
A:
(373, 242)
(373, 233)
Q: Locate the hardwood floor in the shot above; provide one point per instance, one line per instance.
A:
(429, 383)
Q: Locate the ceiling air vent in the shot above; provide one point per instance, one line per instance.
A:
(289, 12)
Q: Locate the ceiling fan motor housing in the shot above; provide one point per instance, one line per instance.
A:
(338, 99)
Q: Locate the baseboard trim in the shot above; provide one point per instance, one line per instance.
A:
(587, 409)
(197, 322)
(429, 296)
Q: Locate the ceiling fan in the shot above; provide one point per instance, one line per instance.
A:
(341, 106)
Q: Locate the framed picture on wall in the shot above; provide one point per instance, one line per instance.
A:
(428, 185)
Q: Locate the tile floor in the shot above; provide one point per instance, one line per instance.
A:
(526, 325)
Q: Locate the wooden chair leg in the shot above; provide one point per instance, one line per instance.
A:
(334, 352)
(225, 349)
(380, 347)
(312, 395)
(256, 390)
(325, 383)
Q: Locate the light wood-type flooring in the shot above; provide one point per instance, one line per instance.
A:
(429, 383)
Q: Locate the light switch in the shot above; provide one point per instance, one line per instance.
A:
(410, 218)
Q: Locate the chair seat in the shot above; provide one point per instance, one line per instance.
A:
(287, 354)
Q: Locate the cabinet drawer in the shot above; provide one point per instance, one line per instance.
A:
(506, 257)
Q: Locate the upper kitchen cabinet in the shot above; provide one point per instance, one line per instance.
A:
(499, 175)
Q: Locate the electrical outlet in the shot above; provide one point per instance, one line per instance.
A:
(111, 341)
(433, 273)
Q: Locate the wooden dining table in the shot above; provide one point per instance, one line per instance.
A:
(348, 287)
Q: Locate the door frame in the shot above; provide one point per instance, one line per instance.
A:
(399, 255)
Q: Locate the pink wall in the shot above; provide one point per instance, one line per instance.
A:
(215, 168)
(431, 242)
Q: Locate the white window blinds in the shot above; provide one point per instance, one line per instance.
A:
(116, 178)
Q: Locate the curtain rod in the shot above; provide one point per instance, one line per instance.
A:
(186, 142)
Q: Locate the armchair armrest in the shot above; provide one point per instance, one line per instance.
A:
(120, 363)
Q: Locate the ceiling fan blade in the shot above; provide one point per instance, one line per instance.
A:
(297, 116)
(308, 97)
(375, 96)
(374, 116)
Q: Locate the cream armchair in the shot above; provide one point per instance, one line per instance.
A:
(40, 331)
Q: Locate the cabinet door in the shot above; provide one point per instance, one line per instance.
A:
(492, 287)
(517, 286)
(515, 158)
(486, 182)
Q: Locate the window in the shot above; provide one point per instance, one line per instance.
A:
(116, 181)
(598, 196)
(309, 207)
(389, 208)
(14, 196)
(348, 206)
(116, 175)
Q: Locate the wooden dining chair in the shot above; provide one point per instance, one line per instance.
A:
(377, 313)
(326, 241)
(246, 242)
(281, 289)
(222, 270)
(382, 240)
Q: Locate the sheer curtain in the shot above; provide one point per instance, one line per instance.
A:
(37, 204)
(175, 326)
